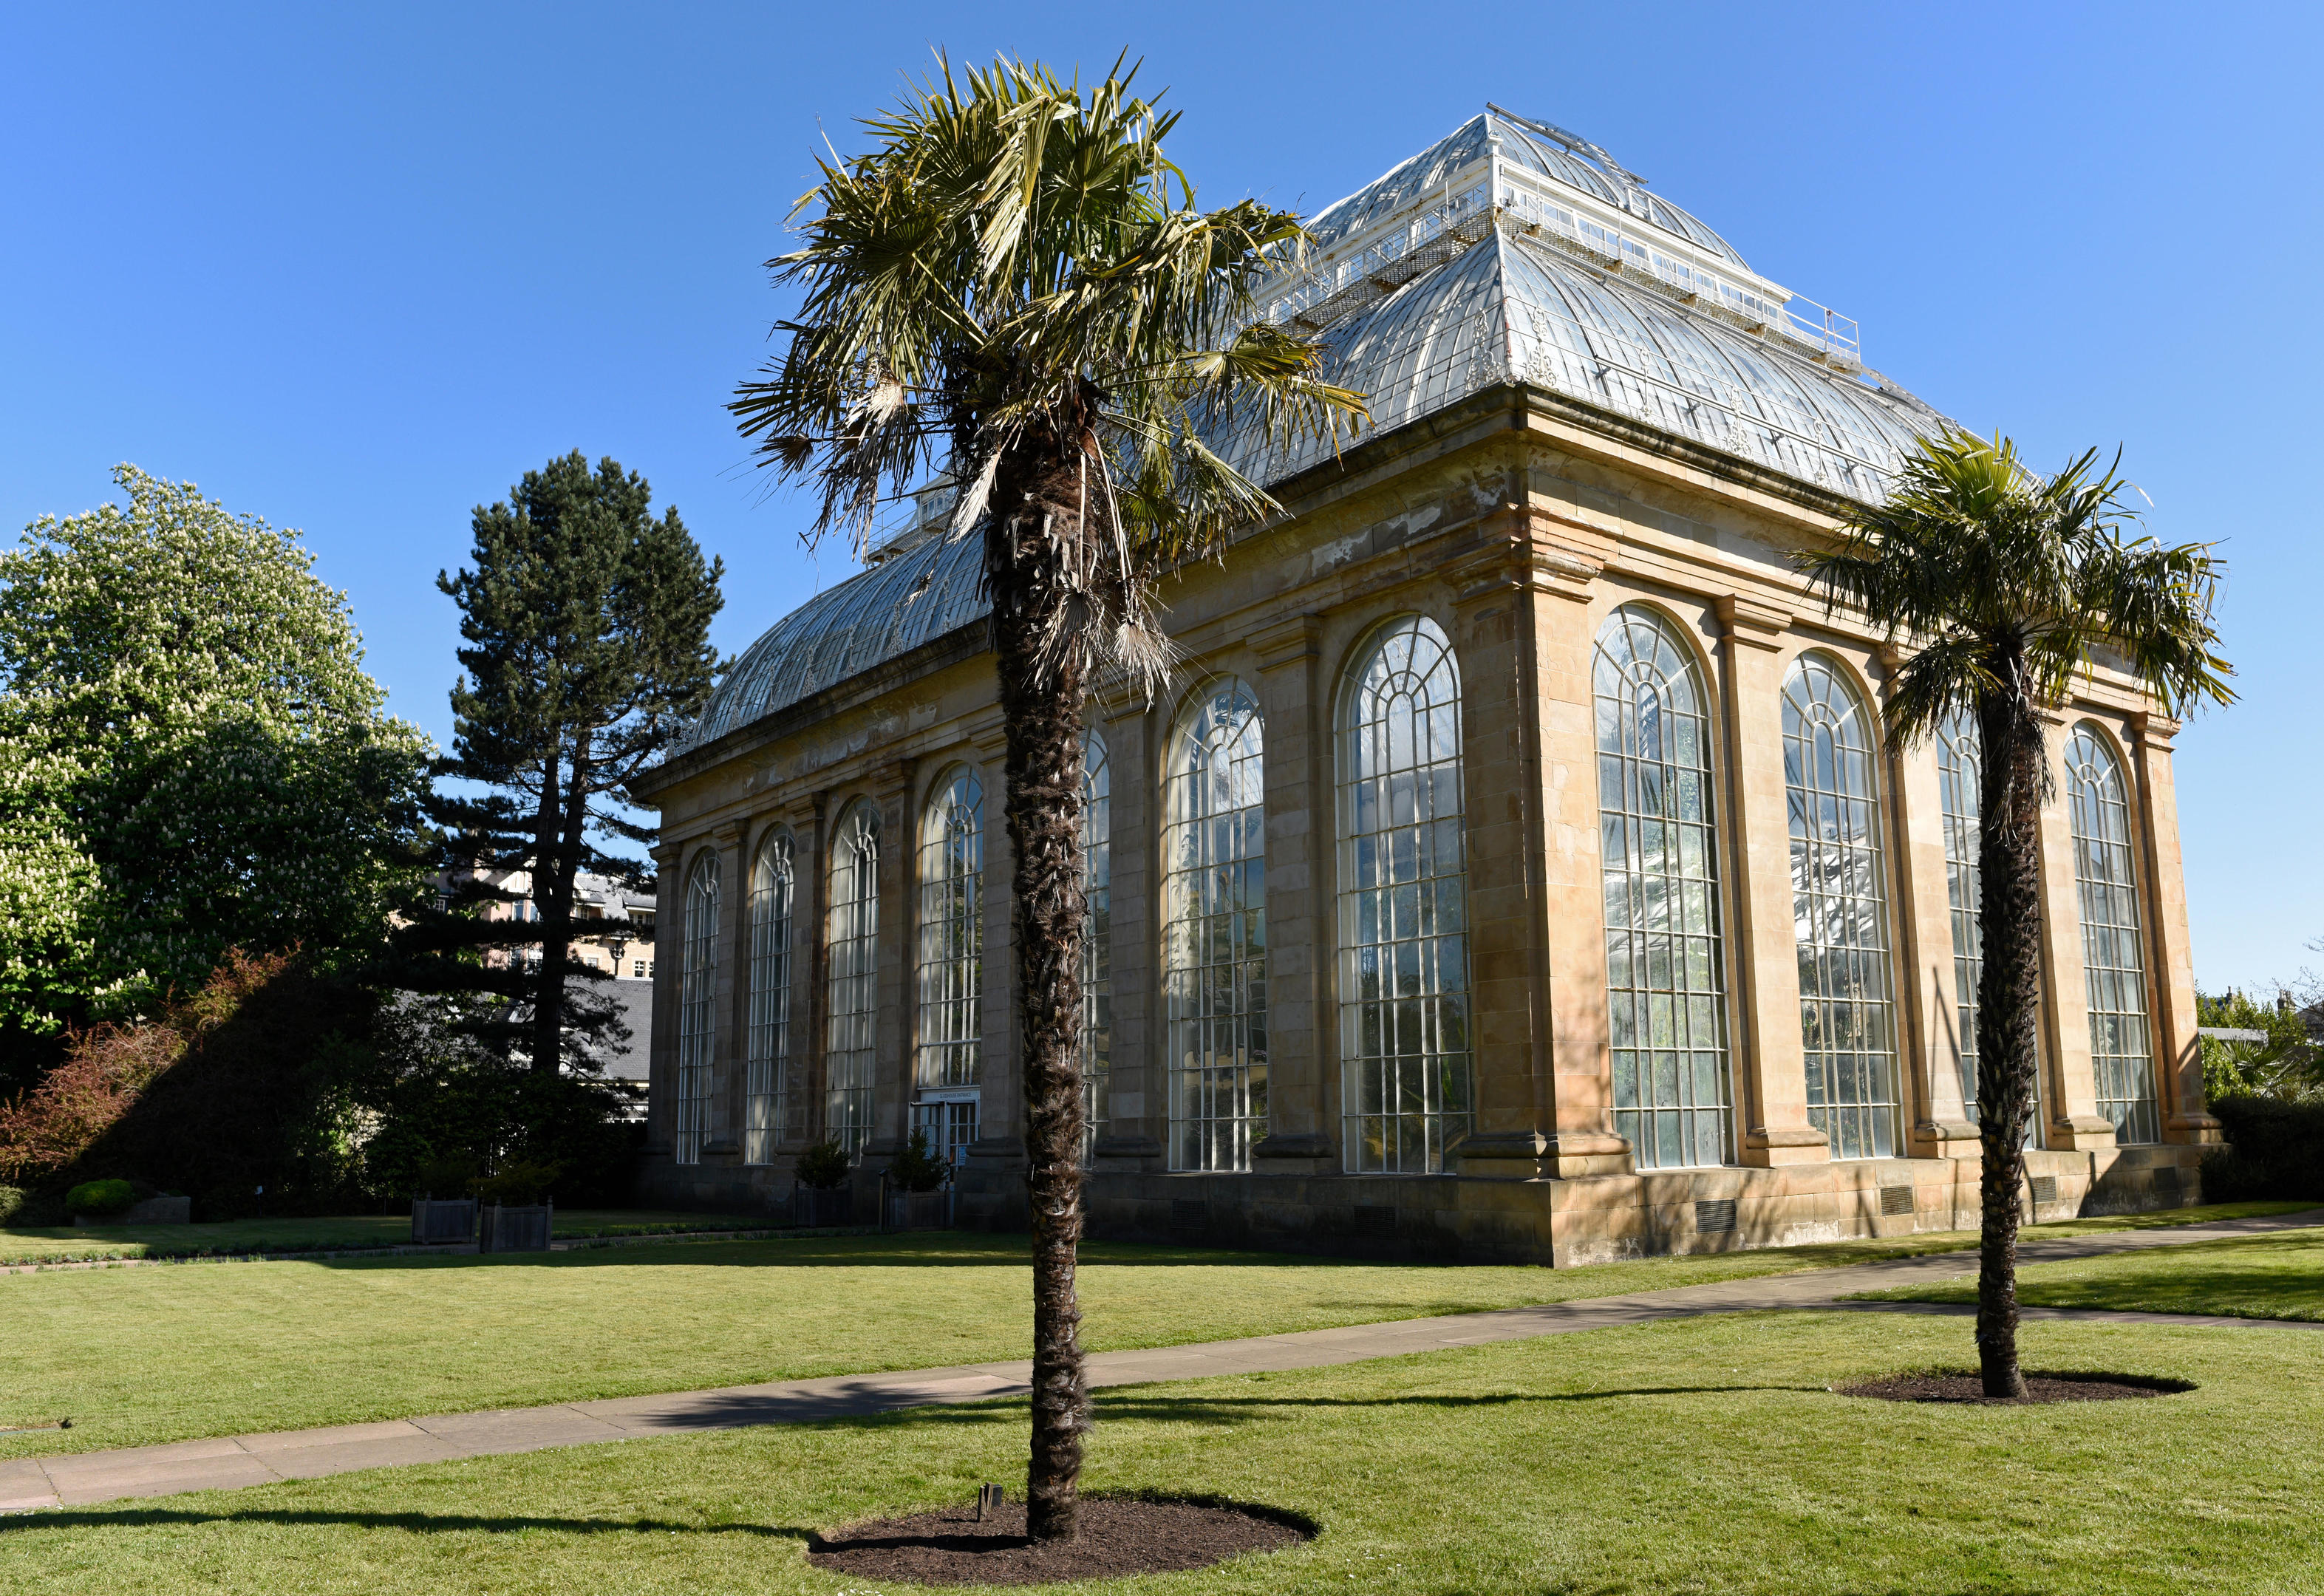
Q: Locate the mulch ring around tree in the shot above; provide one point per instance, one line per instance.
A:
(1956, 1386)
(1119, 1536)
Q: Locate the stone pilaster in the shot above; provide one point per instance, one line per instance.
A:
(722, 1142)
(1135, 1118)
(892, 1036)
(662, 1054)
(1929, 1048)
(1536, 942)
(2178, 1050)
(1302, 1086)
(1772, 1080)
(2075, 1124)
(806, 821)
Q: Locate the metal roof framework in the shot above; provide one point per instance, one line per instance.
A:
(1508, 252)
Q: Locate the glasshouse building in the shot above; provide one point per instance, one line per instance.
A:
(1515, 869)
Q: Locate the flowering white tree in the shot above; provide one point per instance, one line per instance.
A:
(191, 756)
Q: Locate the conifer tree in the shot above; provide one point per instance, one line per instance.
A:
(586, 621)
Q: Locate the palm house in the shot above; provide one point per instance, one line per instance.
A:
(1516, 869)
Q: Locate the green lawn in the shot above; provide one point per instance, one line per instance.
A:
(73, 1243)
(136, 1355)
(2274, 1277)
(1695, 1456)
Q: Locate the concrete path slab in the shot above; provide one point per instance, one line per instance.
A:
(229, 1462)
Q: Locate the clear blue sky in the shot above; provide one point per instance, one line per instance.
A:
(355, 270)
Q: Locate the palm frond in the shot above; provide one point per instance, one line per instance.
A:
(2007, 582)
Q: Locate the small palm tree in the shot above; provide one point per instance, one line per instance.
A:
(2007, 586)
(1015, 285)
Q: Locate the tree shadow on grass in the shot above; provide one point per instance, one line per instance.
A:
(429, 1523)
(1239, 1410)
(935, 1249)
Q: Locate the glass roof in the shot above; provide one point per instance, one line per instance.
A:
(1511, 309)
(1522, 145)
(1512, 305)
(873, 617)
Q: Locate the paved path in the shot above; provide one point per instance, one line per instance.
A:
(233, 1460)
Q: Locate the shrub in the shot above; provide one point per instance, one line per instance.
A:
(100, 1199)
(12, 1203)
(447, 1173)
(239, 1086)
(918, 1169)
(104, 1072)
(823, 1166)
(2275, 1149)
(517, 1186)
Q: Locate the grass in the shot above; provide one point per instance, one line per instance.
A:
(134, 1356)
(244, 1237)
(2272, 1276)
(1688, 1456)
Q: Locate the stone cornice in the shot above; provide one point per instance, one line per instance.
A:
(1530, 548)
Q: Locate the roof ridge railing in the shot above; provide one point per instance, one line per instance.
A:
(1438, 234)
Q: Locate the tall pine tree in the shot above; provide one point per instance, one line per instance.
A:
(587, 623)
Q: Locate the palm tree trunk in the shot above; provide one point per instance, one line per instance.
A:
(2008, 997)
(1037, 512)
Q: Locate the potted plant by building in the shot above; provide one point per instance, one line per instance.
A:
(920, 1188)
(822, 1197)
(518, 1211)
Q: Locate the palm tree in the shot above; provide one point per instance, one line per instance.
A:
(2007, 586)
(1015, 286)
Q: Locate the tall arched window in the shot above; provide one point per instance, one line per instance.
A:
(1097, 937)
(1658, 838)
(1960, 765)
(1404, 1079)
(946, 1057)
(1839, 915)
(852, 936)
(698, 980)
(772, 1106)
(1214, 941)
(2113, 953)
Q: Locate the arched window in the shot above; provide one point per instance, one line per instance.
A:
(2113, 953)
(698, 980)
(773, 1108)
(1658, 836)
(850, 936)
(1404, 1079)
(1214, 941)
(1840, 917)
(947, 1060)
(1097, 937)
(1960, 765)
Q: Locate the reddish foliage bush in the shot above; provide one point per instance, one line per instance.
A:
(108, 1068)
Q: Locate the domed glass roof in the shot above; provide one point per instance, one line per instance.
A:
(1533, 146)
(868, 619)
(1506, 251)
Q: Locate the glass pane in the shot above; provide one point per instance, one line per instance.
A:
(2113, 956)
(1214, 931)
(1839, 911)
(1666, 987)
(1404, 967)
